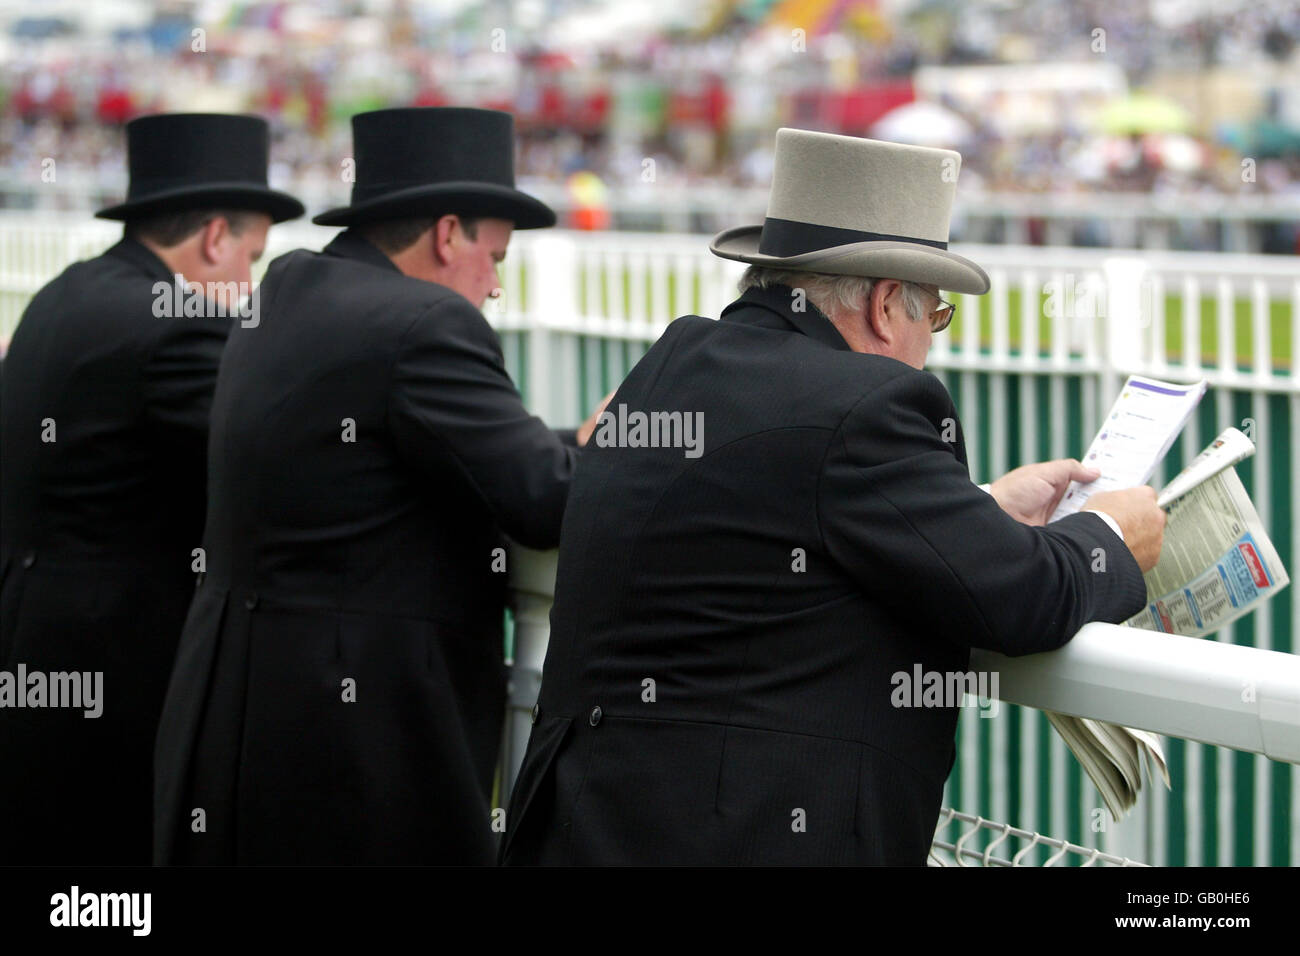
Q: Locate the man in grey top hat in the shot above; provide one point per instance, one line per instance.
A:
(728, 618)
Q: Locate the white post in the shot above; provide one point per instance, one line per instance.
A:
(532, 588)
(1125, 318)
(552, 354)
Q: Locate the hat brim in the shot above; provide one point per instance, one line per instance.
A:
(465, 198)
(279, 206)
(886, 259)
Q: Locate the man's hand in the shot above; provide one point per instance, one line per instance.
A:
(586, 429)
(1136, 513)
(1031, 493)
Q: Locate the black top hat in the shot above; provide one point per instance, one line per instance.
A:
(434, 160)
(181, 161)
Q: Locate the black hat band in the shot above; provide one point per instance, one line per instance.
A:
(783, 238)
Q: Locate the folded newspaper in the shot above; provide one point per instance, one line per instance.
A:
(1216, 564)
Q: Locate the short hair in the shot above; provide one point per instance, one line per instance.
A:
(392, 236)
(171, 228)
(831, 293)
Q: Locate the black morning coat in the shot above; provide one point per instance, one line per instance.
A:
(103, 433)
(339, 689)
(727, 627)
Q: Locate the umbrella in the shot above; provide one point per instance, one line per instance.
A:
(1180, 154)
(1269, 138)
(1143, 113)
(922, 124)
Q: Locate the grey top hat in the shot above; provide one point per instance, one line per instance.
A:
(848, 206)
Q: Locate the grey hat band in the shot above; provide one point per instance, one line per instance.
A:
(786, 237)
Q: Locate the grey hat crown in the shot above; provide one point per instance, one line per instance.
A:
(859, 184)
(850, 206)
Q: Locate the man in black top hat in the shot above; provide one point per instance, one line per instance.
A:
(339, 691)
(106, 395)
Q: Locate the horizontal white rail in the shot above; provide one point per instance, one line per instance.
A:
(1198, 689)
(87, 190)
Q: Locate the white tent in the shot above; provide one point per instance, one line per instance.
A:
(922, 124)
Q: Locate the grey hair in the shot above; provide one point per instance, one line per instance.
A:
(832, 293)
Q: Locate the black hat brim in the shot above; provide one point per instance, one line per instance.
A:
(279, 206)
(464, 198)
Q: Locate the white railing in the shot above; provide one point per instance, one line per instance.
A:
(1222, 694)
(1145, 220)
(628, 286)
(1005, 845)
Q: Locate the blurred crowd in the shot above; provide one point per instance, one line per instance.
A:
(691, 100)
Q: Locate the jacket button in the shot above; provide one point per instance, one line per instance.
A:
(29, 559)
(250, 602)
(594, 719)
(536, 710)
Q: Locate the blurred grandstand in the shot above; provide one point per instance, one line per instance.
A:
(1186, 113)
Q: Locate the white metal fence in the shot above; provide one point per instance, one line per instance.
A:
(1249, 221)
(1032, 367)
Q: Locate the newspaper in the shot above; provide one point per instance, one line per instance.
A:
(1225, 451)
(1113, 758)
(1138, 430)
(1216, 563)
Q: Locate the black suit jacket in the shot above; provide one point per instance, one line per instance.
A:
(727, 628)
(339, 690)
(95, 545)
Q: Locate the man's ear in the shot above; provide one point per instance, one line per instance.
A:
(211, 239)
(879, 312)
(443, 232)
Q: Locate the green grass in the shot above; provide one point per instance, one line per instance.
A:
(621, 287)
(1279, 328)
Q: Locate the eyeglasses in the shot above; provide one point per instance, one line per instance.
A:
(941, 317)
